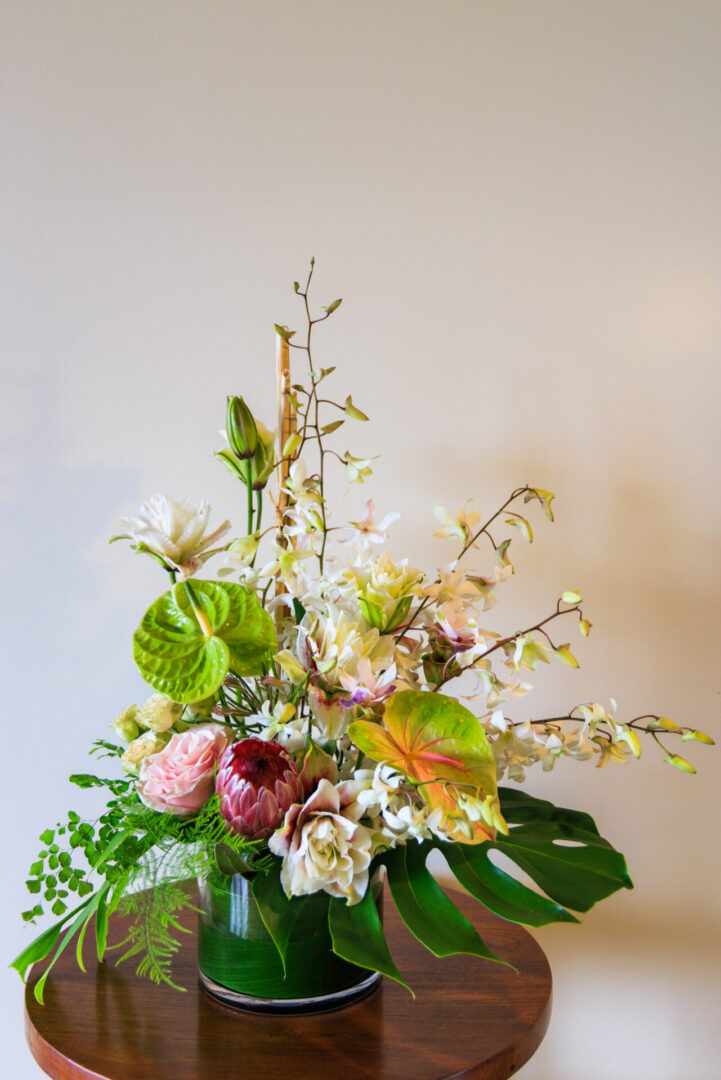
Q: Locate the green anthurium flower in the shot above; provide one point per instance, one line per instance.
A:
(193, 635)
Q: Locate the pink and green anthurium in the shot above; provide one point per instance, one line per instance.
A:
(443, 747)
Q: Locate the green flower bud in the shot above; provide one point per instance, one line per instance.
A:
(240, 428)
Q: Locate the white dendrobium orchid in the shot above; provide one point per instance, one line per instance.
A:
(357, 469)
(302, 488)
(366, 688)
(459, 629)
(455, 587)
(367, 532)
(459, 527)
(322, 847)
(306, 522)
(172, 532)
(397, 817)
(284, 562)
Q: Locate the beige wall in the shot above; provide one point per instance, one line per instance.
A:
(519, 203)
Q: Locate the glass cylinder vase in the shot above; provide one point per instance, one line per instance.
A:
(239, 963)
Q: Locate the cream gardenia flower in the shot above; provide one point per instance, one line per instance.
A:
(172, 532)
(322, 848)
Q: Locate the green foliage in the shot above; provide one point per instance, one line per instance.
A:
(192, 635)
(102, 748)
(357, 934)
(129, 845)
(428, 913)
(203, 832)
(150, 938)
(86, 780)
(278, 912)
(560, 849)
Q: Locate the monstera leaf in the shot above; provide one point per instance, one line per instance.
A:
(196, 632)
(443, 747)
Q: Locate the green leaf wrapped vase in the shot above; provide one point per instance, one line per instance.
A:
(276, 956)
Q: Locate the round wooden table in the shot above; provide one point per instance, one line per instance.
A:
(471, 1018)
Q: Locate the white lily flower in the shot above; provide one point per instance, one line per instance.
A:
(172, 532)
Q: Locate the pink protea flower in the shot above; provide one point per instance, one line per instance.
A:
(257, 782)
(179, 779)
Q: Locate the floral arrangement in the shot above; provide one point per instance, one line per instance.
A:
(303, 729)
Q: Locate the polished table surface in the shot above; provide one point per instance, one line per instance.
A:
(470, 1018)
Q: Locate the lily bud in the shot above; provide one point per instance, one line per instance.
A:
(240, 428)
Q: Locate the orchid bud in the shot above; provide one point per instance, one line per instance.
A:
(240, 428)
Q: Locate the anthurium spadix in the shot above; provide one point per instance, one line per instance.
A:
(442, 747)
(194, 634)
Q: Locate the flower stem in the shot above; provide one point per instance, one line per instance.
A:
(249, 486)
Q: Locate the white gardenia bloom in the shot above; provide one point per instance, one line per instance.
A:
(174, 532)
(322, 847)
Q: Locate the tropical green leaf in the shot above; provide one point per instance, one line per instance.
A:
(42, 945)
(498, 891)
(429, 914)
(78, 924)
(357, 934)
(519, 808)
(279, 914)
(196, 632)
(443, 747)
(560, 849)
(229, 861)
(101, 927)
(574, 867)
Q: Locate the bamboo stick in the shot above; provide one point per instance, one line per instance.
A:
(287, 425)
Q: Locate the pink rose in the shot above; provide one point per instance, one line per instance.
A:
(179, 780)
